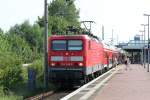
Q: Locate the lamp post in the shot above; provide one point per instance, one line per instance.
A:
(112, 36)
(142, 54)
(102, 32)
(148, 42)
(144, 51)
(46, 44)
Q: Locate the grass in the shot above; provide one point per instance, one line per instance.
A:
(13, 97)
(21, 92)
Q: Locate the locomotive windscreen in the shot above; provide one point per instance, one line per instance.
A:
(67, 45)
(59, 44)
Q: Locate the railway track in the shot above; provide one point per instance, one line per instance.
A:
(59, 94)
(53, 95)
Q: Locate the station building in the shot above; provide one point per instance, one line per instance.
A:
(137, 49)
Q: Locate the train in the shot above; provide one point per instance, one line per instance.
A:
(77, 59)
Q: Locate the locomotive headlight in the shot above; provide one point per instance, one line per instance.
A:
(80, 64)
(53, 64)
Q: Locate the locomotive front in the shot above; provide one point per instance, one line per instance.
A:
(66, 59)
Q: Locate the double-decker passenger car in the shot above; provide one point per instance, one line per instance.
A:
(111, 56)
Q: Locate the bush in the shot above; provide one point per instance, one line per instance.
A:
(20, 47)
(8, 95)
(2, 91)
(5, 45)
(10, 70)
(38, 66)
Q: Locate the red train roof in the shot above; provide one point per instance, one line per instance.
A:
(69, 36)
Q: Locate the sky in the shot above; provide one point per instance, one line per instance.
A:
(124, 17)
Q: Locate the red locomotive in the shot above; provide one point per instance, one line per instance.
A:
(77, 59)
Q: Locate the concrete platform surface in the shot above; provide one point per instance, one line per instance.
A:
(131, 84)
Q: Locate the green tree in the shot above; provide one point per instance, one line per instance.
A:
(4, 46)
(25, 31)
(15, 44)
(33, 35)
(38, 31)
(1, 31)
(10, 70)
(62, 13)
(20, 47)
(66, 10)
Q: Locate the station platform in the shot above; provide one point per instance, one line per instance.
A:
(130, 84)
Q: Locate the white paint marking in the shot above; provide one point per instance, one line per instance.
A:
(87, 89)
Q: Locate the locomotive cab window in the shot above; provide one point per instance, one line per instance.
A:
(75, 44)
(59, 45)
(71, 45)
